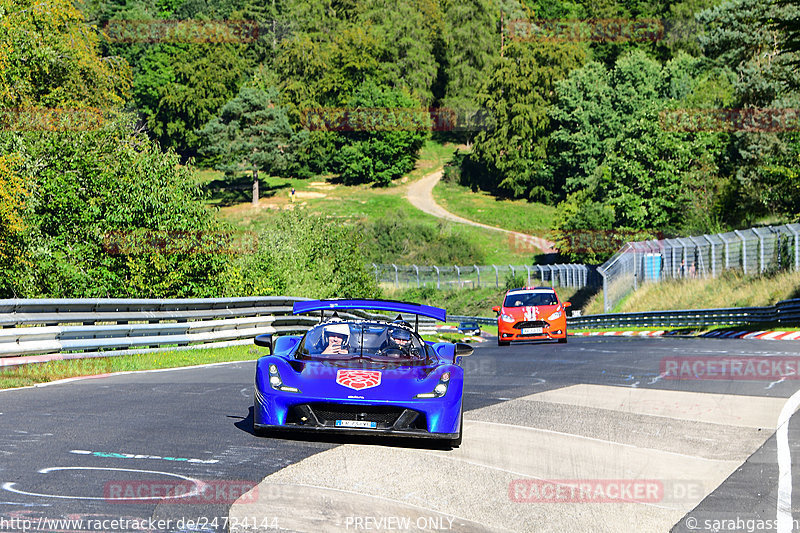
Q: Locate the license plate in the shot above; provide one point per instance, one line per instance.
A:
(356, 424)
(531, 331)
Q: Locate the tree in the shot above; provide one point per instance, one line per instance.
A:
(762, 163)
(107, 214)
(49, 57)
(410, 33)
(389, 129)
(252, 133)
(517, 93)
(205, 77)
(473, 43)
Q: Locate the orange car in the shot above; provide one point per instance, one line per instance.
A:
(531, 314)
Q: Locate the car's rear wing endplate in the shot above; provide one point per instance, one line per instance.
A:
(379, 305)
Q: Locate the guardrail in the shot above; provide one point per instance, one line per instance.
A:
(77, 328)
(784, 312)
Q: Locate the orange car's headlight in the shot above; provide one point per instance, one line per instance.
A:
(555, 316)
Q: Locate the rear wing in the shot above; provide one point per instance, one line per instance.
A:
(379, 305)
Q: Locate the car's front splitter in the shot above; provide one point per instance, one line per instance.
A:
(420, 434)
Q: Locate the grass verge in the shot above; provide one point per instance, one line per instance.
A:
(515, 215)
(31, 374)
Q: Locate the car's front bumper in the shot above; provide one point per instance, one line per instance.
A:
(429, 418)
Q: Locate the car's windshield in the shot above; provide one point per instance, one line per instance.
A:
(373, 340)
(468, 325)
(526, 299)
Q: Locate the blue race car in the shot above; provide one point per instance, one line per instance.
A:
(361, 376)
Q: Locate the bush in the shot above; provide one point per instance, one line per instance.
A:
(97, 188)
(399, 239)
(386, 143)
(303, 255)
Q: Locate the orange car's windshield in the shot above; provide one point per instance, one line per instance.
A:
(527, 299)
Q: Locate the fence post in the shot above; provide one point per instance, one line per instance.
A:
(458, 275)
(437, 276)
(376, 272)
(496, 278)
(396, 277)
(552, 279)
(478, 271)
(605, 290)
(744, 250)
(416, 269)
(713, 256)
(635, 280)
(528, 284)
(796, 247)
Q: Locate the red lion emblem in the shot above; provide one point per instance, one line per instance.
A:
(358, 379)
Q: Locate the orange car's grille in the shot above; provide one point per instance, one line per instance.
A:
(531, 324)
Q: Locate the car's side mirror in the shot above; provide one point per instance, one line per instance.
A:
(567, 304)
(265, 341)
(496, 309)
(463, 349)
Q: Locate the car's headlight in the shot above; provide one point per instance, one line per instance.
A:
(439, 390)
(506, 318)
(554, 316)
(276, 382)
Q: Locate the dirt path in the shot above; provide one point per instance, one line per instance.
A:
(420, 194)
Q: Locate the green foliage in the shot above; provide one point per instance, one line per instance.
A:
(514, 281)
(627, 171)
(98, 188)
(49, 57)
(517, 94)
(386, 151)
(304, 255)
(252, 133)
(398, 238)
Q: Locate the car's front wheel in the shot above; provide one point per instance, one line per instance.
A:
(562, 341)
(502, 343)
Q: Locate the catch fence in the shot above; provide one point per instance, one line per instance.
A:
(751, 251)
(475, 276)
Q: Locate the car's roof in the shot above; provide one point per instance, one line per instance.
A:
(531, 289)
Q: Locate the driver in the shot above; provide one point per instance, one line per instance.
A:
(336, 337)
(400, 339)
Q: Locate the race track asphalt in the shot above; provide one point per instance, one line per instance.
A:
(596, 410)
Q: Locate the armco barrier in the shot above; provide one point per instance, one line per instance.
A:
(784, 312)
(93, 327)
